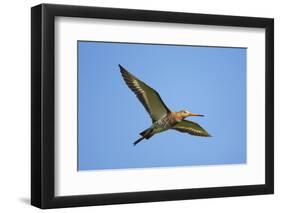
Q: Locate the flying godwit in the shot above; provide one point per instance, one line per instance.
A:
(162, 118)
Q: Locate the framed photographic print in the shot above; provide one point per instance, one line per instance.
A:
(138, 106)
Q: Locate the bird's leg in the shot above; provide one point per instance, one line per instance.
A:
(146, 134)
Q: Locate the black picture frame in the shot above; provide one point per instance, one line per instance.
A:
(43, 100)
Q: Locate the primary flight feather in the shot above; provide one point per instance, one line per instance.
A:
(162, 118)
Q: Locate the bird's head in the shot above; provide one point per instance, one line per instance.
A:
(185, 113)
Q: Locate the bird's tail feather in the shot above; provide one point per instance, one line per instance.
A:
(146, 134)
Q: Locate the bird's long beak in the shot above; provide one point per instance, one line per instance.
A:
(196, 115)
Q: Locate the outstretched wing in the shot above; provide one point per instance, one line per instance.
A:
(191, 128)
(150, 99)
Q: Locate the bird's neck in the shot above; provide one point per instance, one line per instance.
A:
(178, 117)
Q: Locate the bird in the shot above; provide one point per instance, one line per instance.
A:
(162, 117)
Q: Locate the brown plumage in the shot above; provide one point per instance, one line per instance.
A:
(162, 118)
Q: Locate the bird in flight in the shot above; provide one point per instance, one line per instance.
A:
(162, 118)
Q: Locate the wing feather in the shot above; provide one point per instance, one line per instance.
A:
(191, 128)
(149, 98)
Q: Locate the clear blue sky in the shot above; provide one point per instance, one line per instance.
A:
(205, 80)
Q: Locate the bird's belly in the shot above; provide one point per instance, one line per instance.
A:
(159, 129)
(162, 125)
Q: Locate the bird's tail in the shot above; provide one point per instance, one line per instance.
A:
(146, 134)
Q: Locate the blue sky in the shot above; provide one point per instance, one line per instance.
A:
(205, 80)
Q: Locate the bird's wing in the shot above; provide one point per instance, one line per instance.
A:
(150, 99)
(191, 128)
